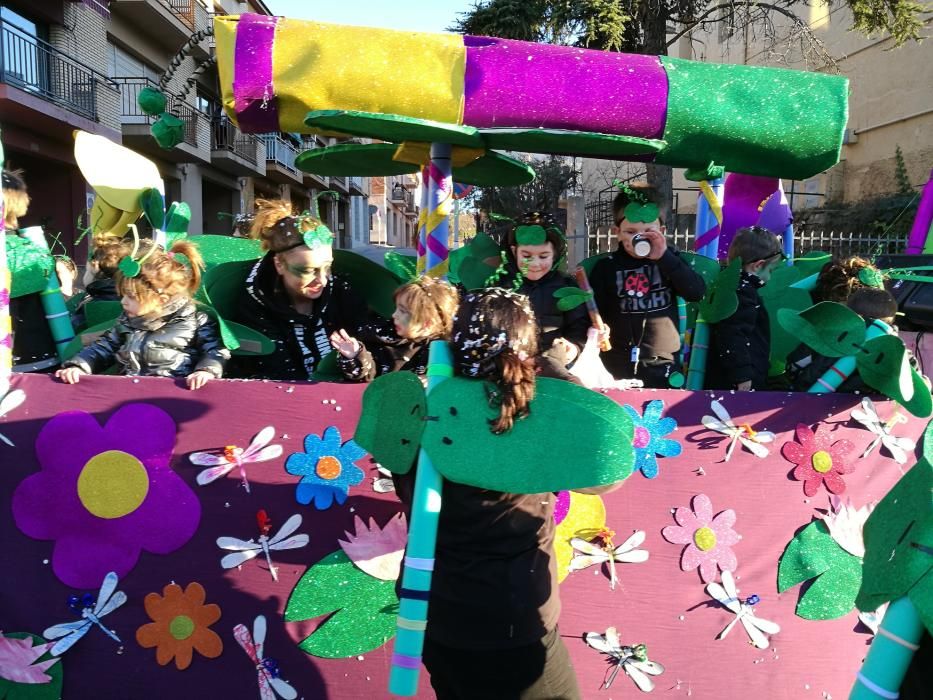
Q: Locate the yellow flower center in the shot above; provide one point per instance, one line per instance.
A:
(181, 627)
(822, 461)
(328, 467)
(113, 484)
(704, 539)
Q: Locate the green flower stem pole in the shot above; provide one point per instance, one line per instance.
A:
(682, 328)
(419, 556)
(698, 349)
(843, 367)
(53, 303)
(890, 653)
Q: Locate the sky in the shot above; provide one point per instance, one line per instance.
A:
(414, 15)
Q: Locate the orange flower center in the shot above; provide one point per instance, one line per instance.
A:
(328, 467)
(181, 627)
(822, 461)
(704, 539)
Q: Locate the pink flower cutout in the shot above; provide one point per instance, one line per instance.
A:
(709, 540)
(818, 462)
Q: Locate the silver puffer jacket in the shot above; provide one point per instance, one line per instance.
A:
(180, 341)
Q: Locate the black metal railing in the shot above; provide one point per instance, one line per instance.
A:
(182, 9)
(130, 113)
(226, 137)
(37, 67)
(280, 151)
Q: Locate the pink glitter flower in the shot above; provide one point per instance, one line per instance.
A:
(818, 462)
(709, 540)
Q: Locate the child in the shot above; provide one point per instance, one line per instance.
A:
(636, 289)
(838, 279)
(160, 333)
(291, 297)
(99, 282)
(492, 618)
(804, 369)
(535, 248)
(424, 311)
(740, 346)
(67, 273)
(33, 346)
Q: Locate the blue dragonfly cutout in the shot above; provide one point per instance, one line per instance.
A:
(108, 600)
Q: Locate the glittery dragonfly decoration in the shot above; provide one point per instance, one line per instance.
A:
(727, 595)
(108, 600)
(232, 456)
(244, 550)
(270, 683)
(751, 439)
(868, 416)
(7, 404)
(633, 660)
(591, 553)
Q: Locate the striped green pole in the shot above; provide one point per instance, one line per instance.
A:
(419, 555)
(890, 654)
(696, 375)
(843, 368)
(53, 303)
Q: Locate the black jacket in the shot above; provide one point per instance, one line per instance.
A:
(740, 346)
(637, 299)
(301, 340)
(552, 322)
(384, 351)
(181, 341)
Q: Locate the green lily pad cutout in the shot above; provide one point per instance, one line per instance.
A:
(392, 420)
(494, 170)
(564, 142)
(392, 127)
(178, 219)
(721, 300)
(571, 297)
(405, 267)
(898, 544)
(464, 450)
(365, 608)
(361, 160)
(51, 690)
(884, 366)
(129, 267)
(829, 328)
(705, 267)
(813, 553)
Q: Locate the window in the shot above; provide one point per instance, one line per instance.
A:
(24, 62)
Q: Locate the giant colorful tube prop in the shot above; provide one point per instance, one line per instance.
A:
(709, 218)
(843, 368)
(419, 556)
(274, 70)
(422, 248)
(890, 654)
(437, 220)
(53, 303)
(920, 238)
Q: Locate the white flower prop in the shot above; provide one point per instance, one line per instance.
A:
(377, 551)
(845, 522)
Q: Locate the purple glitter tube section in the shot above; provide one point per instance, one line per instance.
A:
(520, 84)
(253, 93)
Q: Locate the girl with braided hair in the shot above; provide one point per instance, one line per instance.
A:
(291, 295)
(493, 609)
(160, 333)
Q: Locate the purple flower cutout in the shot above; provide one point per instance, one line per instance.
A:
(104, 494)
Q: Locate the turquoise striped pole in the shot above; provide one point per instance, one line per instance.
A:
(891, 651)
(53, 303)
(843, 368)
(419, 555)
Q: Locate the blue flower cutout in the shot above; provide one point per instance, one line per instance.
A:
(326, 469)
(649, 438)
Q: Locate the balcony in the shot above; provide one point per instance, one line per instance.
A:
(43, 74)
(280, 160)
(318, 182)
(235, 152)
(170, 22)
(136, 123)
(339, 184)
(356, 186)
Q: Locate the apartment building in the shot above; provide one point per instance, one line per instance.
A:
(394, 204)
(80, 64)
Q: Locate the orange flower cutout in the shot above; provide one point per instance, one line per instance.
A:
(181, 625)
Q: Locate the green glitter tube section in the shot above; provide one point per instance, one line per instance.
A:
(752, 119)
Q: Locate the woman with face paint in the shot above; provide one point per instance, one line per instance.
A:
(291, 295)
(534, 250)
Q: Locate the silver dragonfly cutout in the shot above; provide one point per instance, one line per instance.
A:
(108, 600)
(727, 595)
(631, 659)
(753, 441)
(232, 456)
(244, 550)
(270, 682)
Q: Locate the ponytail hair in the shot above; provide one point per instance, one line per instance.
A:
(277, 227)
(495, 338)
(163, 273)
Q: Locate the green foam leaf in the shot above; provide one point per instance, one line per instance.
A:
(178, 219)
(813, 553)
(153, 205)
(531, 457)
(129, 267)
(375, 283)
(405, 266)
(884, 366)
(783, 341)
(721, 300)
(392, 420)
(365, 608)
(571, 297)
(829, 328)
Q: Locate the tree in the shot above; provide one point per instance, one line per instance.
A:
(900, 173)
(653, 26)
